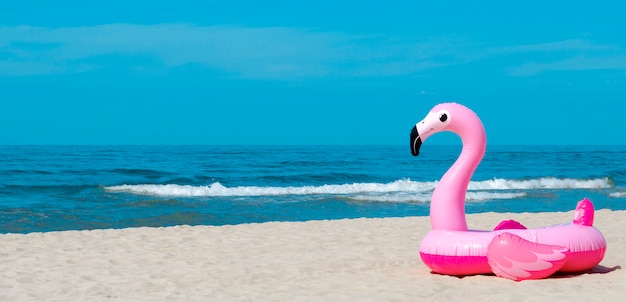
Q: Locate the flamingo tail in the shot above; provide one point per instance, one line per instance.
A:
(584, 213)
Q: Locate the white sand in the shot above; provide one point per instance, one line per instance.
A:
(342, 260)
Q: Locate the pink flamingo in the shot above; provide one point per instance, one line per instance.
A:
(511, 250)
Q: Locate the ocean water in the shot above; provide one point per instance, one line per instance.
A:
(51, 188)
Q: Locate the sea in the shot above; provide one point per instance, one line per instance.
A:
(56, 188)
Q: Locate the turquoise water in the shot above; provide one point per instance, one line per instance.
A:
(49, 188)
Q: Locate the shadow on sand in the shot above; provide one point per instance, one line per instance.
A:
(598, 269)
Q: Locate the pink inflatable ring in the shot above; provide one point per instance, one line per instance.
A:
(511, 250)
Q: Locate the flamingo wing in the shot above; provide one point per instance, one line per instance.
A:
(515, 258)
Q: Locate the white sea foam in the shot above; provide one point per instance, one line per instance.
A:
(618, 194)
(540, 183)
(217, 189)
(426, 197)
(403, 190)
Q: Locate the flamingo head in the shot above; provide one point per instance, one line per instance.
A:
(447, 117)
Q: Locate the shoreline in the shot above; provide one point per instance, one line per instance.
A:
(364, 259)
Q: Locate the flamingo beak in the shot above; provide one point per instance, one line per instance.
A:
(416, 141)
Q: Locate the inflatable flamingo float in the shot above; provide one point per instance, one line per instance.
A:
(511, 250)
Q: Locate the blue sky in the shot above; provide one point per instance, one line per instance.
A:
(324, 72)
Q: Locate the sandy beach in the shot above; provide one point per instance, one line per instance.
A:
(336, 260)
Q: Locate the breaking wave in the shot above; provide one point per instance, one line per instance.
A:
(404, 190)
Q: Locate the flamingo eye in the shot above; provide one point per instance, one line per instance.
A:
(443, 117)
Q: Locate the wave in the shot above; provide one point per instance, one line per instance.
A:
(618, 194)
(403, 190)
(540, 183)
(425, 197)
(218, 190)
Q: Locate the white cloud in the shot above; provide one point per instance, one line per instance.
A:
(565, 45)
(576, 63)
(573, 54)
(268, 52)
(248, 51)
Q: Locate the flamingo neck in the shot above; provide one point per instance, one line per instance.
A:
(447, 207)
